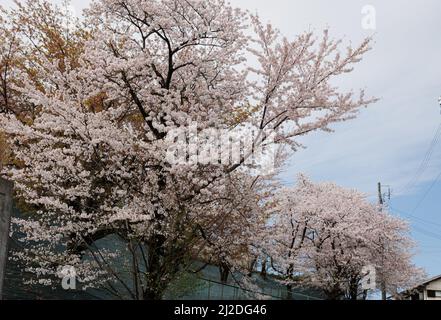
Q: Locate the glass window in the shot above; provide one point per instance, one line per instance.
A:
(434, 293)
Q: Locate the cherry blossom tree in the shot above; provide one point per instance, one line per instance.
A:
(93, 161)
(30, 34)
(233, 233)
(325, 236)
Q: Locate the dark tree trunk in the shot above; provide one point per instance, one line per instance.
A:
(353, 294)
(152, 295)
(263, 270)
(251, 267)
(289, 295)
(155, 269)
(365, 293)
(353, 289)
(334, 293)
(163, 266)
(224, 272)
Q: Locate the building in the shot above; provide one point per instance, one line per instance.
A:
(428, 290)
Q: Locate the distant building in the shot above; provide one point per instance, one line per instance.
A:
(428, 290)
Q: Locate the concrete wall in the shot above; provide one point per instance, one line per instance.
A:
(5, 216)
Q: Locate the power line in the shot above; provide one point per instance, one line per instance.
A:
(428, 233)
(429, 222)
(424, 231)
(426, 193)
(423, 166)
(419, 229)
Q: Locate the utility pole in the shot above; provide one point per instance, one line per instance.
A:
(380, 197)
(381, 203)
(5, 218)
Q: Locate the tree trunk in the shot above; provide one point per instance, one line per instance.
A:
(334, 293)
(263, 270)
(289, 295)
(224, 272)
(5, 218)
(353, 289)
(353, 294)
(365, 293)
(383, 290)
(152, 294)
(155, 269)
(251, 267)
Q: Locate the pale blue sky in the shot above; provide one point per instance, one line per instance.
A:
(388, 141)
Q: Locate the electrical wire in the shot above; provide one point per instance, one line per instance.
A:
(419, 229)
(423, 166)
(428, 222)
(426, 193)
(427, 232)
